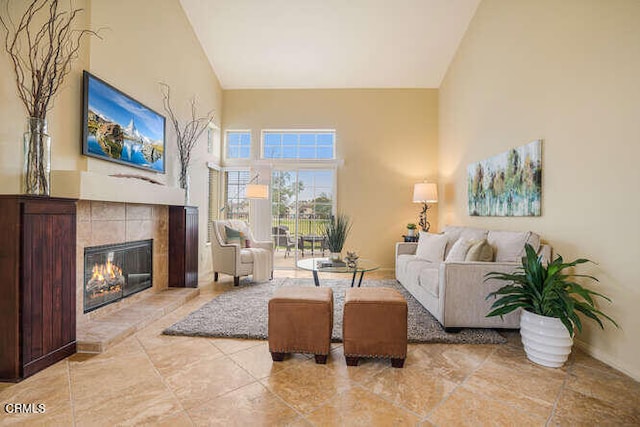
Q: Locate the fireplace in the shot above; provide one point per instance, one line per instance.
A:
(113, 272)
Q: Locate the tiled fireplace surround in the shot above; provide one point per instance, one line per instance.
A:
(102, 223)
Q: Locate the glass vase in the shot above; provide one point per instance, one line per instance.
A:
(37, 158)
(185, 184)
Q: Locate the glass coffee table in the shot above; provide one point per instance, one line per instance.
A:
(362, 266)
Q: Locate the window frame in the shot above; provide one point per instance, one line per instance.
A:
(333, 159)
(302, 167)
(225, 189)
(226, 145)
(213, 211)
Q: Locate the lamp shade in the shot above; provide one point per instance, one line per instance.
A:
(425, 192)
(257, 191)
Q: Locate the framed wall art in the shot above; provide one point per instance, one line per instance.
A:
(509, 184)
(117, 128)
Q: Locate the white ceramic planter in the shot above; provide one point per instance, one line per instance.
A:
(546, 340)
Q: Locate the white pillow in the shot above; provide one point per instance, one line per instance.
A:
(456, 232)
(508, 246)
(459, 250)
(431, 246)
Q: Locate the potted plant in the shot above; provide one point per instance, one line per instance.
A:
(335, 234)
(411, 229)
(551, 301)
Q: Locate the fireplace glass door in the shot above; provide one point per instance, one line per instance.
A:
(113, 272)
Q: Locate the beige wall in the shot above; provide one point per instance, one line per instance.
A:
(142, 44)
(64, 119)
(566, 72)
(145, 44)
(387, 139)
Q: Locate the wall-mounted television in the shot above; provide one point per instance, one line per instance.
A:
(119, 129)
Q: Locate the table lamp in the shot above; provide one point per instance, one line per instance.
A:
(425, 192)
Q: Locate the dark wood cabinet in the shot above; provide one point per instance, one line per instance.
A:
(38, 302)
(183, 246)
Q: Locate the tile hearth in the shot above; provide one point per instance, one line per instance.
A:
(178, 381)
(96, 335)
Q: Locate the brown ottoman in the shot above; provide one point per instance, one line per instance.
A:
(300, 321)
(374, 324)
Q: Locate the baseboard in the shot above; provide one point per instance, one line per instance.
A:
(606, 358)
(49, 359)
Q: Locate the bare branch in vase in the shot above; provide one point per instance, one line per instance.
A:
(187, 134)
(41, 55)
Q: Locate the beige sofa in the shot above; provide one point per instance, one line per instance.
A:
(455, 292)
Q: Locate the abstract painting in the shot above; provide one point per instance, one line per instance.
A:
(509, 184)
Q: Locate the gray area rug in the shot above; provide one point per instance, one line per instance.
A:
(243, 313)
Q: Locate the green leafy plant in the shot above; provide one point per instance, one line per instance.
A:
(411, 226)
(547, 291)
(336, 231)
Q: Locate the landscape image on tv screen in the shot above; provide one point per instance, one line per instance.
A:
(120, 129)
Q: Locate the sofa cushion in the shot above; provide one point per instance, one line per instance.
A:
(415, 267)
(480, 250)
(454, 233)
(459, 250)
(431, 246)
(508, 246)
(429, 279)
(402, 261)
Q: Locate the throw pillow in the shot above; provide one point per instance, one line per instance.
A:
(480, 251)
(458, 251)
(235, 236)
(431, 246)
(456, 232)
(508, 246)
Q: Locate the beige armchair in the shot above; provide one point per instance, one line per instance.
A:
(229, 258)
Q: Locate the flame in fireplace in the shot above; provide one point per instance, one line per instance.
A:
(105, 279)
(109, 271)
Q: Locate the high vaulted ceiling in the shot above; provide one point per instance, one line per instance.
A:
(330, 43)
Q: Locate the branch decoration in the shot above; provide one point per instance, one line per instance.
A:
(41, 56)
(187, 133)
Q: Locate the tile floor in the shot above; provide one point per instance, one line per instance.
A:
(173, 381)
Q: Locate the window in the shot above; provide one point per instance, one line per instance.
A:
(236, 202)
(303, 197)
(302, 204)
(238, 144)
(213, 202)
(301, 145)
